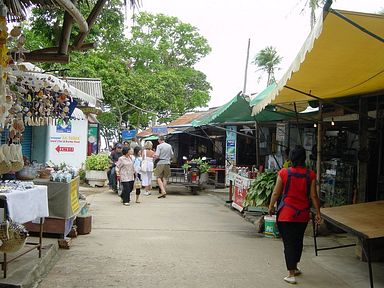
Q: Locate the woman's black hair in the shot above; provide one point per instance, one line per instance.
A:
(136, 150)
(125, 150)
(297, 156)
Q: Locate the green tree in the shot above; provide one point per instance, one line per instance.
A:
(268, 60)
(149, 72)
(108, 129)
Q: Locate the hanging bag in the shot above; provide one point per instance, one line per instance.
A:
(137, 183)
(144, 162)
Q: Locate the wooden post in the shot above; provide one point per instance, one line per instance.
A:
(362, 171)
(319, 149)
(257, 145)
(66, 32)
(97, 9)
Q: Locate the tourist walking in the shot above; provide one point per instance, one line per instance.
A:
(163, 154)
(116, 153)
(137, 166)
(297, 186)
(126, 174)
(147, 167)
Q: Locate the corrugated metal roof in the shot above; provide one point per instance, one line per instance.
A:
(91, 86)
(183, 121)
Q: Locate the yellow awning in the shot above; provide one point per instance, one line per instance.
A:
(337, 60)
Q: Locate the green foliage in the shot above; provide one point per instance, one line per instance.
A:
(260, 190)
(99, 162)
(82, 174)
(108, 125)
(201, 165)
(150, 73)
(185, 166)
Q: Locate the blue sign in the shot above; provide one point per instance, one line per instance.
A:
(63, 126)
(160, 130)
(128, 134)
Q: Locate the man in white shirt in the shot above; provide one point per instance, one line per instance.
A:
(164, 154)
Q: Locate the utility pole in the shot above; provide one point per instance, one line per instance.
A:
(246, 67)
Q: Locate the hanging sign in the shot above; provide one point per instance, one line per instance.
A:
(160, 130)
(128, 134)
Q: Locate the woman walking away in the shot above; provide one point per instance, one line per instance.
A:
(126, 174)
(137, 167)
(147, 167)
(296, 186)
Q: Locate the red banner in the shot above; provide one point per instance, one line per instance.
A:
(241, 189)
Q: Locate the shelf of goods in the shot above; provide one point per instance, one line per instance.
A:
(336, 183)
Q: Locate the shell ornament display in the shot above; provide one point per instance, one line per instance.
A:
(25, 99)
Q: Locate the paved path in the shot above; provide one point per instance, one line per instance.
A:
(184, 241)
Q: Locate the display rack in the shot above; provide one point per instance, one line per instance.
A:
(336, 183)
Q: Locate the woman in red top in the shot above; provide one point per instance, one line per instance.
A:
(296, 186)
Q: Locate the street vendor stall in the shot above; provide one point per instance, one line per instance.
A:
(63, 203)
(22, 203)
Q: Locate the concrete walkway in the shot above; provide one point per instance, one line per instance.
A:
(191, 241)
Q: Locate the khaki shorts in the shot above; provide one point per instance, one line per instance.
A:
(162, 171)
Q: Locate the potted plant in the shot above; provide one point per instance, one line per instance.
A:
(260, 191)
(203, 169)
(82, 175)
(96, 166)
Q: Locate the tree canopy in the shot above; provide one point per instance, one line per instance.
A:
(150, 72)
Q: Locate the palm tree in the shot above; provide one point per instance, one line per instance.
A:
(313, 5)
(267, 60)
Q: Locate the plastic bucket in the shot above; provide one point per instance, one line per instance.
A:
(270, 226)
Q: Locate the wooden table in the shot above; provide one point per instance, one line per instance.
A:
(364, 220)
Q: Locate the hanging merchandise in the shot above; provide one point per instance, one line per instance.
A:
(5, 100)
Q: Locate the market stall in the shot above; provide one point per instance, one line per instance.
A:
(63, 203)
(20, 203)
(31, 98)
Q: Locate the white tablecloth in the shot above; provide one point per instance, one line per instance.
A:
(27, 205)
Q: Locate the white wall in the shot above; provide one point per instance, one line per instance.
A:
(68, 144)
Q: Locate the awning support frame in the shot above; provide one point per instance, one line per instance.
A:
(328, 102)
(353, 23)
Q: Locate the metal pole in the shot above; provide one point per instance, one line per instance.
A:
(319, 149)
(246, 67)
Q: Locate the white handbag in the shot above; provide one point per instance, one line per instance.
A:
(144, 162)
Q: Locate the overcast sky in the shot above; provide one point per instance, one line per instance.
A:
(227, 25)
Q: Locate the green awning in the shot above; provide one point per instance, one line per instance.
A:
(236, 110)
(152, 137)
(262, 94)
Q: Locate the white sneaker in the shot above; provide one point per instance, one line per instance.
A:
(298, 272)
(290, 279)
(146, 193)
(126, 204)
